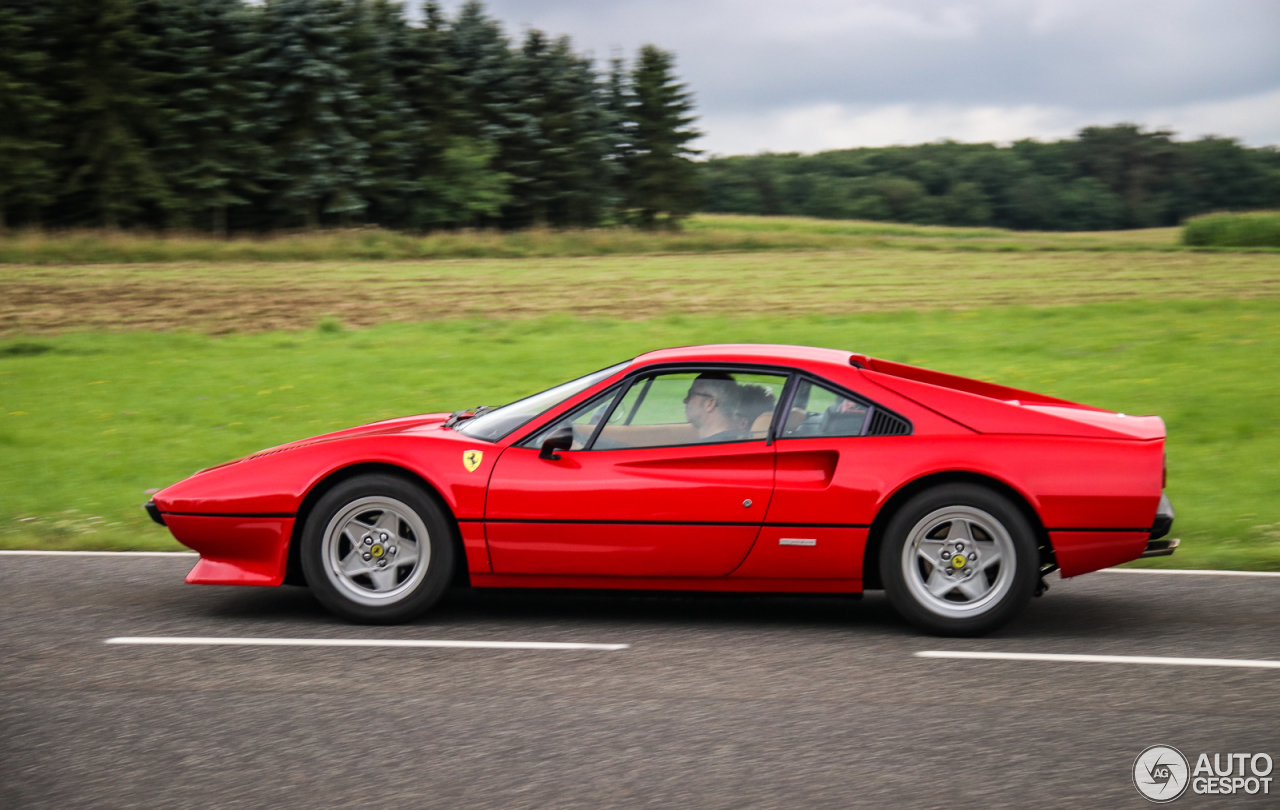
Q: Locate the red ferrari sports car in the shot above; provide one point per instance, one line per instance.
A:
(712, 468)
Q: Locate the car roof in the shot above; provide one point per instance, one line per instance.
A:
(767, 353)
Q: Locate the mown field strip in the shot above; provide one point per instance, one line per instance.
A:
(1101, 659)
(247, 297)
(361, 642)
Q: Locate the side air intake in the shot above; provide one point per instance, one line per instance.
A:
(884, 423)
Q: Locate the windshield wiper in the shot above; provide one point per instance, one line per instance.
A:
(460, 416)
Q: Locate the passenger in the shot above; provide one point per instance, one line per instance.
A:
(755, 401)
(712, 407)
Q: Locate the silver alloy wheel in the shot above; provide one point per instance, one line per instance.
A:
(376, 550)
(959, 561)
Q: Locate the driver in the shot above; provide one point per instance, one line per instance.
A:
(712, 407)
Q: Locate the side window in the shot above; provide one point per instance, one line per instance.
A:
(583, 419)
(692, 407)
(818, 411)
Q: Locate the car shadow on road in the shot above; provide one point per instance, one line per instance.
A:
(1063, 615)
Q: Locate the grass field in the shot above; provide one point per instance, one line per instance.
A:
(91, 421)
(705, 233)
(118, 378)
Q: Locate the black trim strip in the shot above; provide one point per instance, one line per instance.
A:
(219, 514)
(818, 525)
(672, 523)
(1070, 529)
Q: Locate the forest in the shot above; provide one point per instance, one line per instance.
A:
(226, 115)
(1108, 177)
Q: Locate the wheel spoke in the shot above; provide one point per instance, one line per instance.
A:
(353, 564)
(990, 555)
(939, 584)
(389, 522)
(930, 551)
(406, 553)
(355, 531)
(959, 530)
(972, 588)
(384, 579)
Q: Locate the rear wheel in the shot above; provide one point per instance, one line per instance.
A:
(377, 549)
(959, 560)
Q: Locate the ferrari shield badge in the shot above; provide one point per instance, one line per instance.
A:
(471, 459)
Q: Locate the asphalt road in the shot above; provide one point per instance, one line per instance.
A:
(720, 702)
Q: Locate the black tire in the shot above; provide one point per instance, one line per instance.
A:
(393, 593)
(924, 535)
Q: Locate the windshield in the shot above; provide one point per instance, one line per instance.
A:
(493, 425)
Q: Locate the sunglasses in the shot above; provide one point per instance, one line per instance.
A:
(693, 394)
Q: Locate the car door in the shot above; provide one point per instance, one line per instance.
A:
(669, 480)
(824, 489)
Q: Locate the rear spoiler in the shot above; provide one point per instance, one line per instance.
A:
(957, 383)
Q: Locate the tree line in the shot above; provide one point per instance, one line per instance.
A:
(1105, 178)
(228, 115)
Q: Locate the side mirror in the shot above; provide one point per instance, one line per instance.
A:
(561, 439)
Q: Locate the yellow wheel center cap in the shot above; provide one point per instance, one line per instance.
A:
(376, 550)
(958, 561)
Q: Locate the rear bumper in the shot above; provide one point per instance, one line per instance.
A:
(1161, 548)
(1164, 519)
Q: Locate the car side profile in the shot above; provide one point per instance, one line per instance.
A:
(749, 468)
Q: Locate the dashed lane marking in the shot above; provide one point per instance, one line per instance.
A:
(361, 642)
(35, 553)
(1102, 659)
(1205, 572)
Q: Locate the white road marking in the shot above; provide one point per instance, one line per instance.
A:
(1103, 659)
(362, 642)
(35, 553)
(1207, 572)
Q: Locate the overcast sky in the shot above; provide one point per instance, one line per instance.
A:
(807, 75)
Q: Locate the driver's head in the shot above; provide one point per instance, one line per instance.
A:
(712, 403)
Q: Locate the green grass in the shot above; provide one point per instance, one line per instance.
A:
(702, 234)
(90, 421)
(1249, 230)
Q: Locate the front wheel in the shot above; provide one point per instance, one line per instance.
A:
(959, 560)
(377, 549)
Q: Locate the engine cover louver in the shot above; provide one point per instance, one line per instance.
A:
(884, 423)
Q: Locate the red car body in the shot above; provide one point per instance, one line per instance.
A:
(708, 517)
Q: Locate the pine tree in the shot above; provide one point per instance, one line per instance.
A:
(313, 109)
(376, 36)
(489, 119)
(212, 149)
(112, 117)
(661, 179)
(561, 150)
(27, 112)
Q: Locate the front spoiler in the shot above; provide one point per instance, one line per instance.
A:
(1161, 548)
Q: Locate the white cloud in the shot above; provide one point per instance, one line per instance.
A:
(813, 128)
(807, 74)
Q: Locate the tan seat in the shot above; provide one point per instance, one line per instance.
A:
(760, 427)
(794, 418)
(650, 435)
